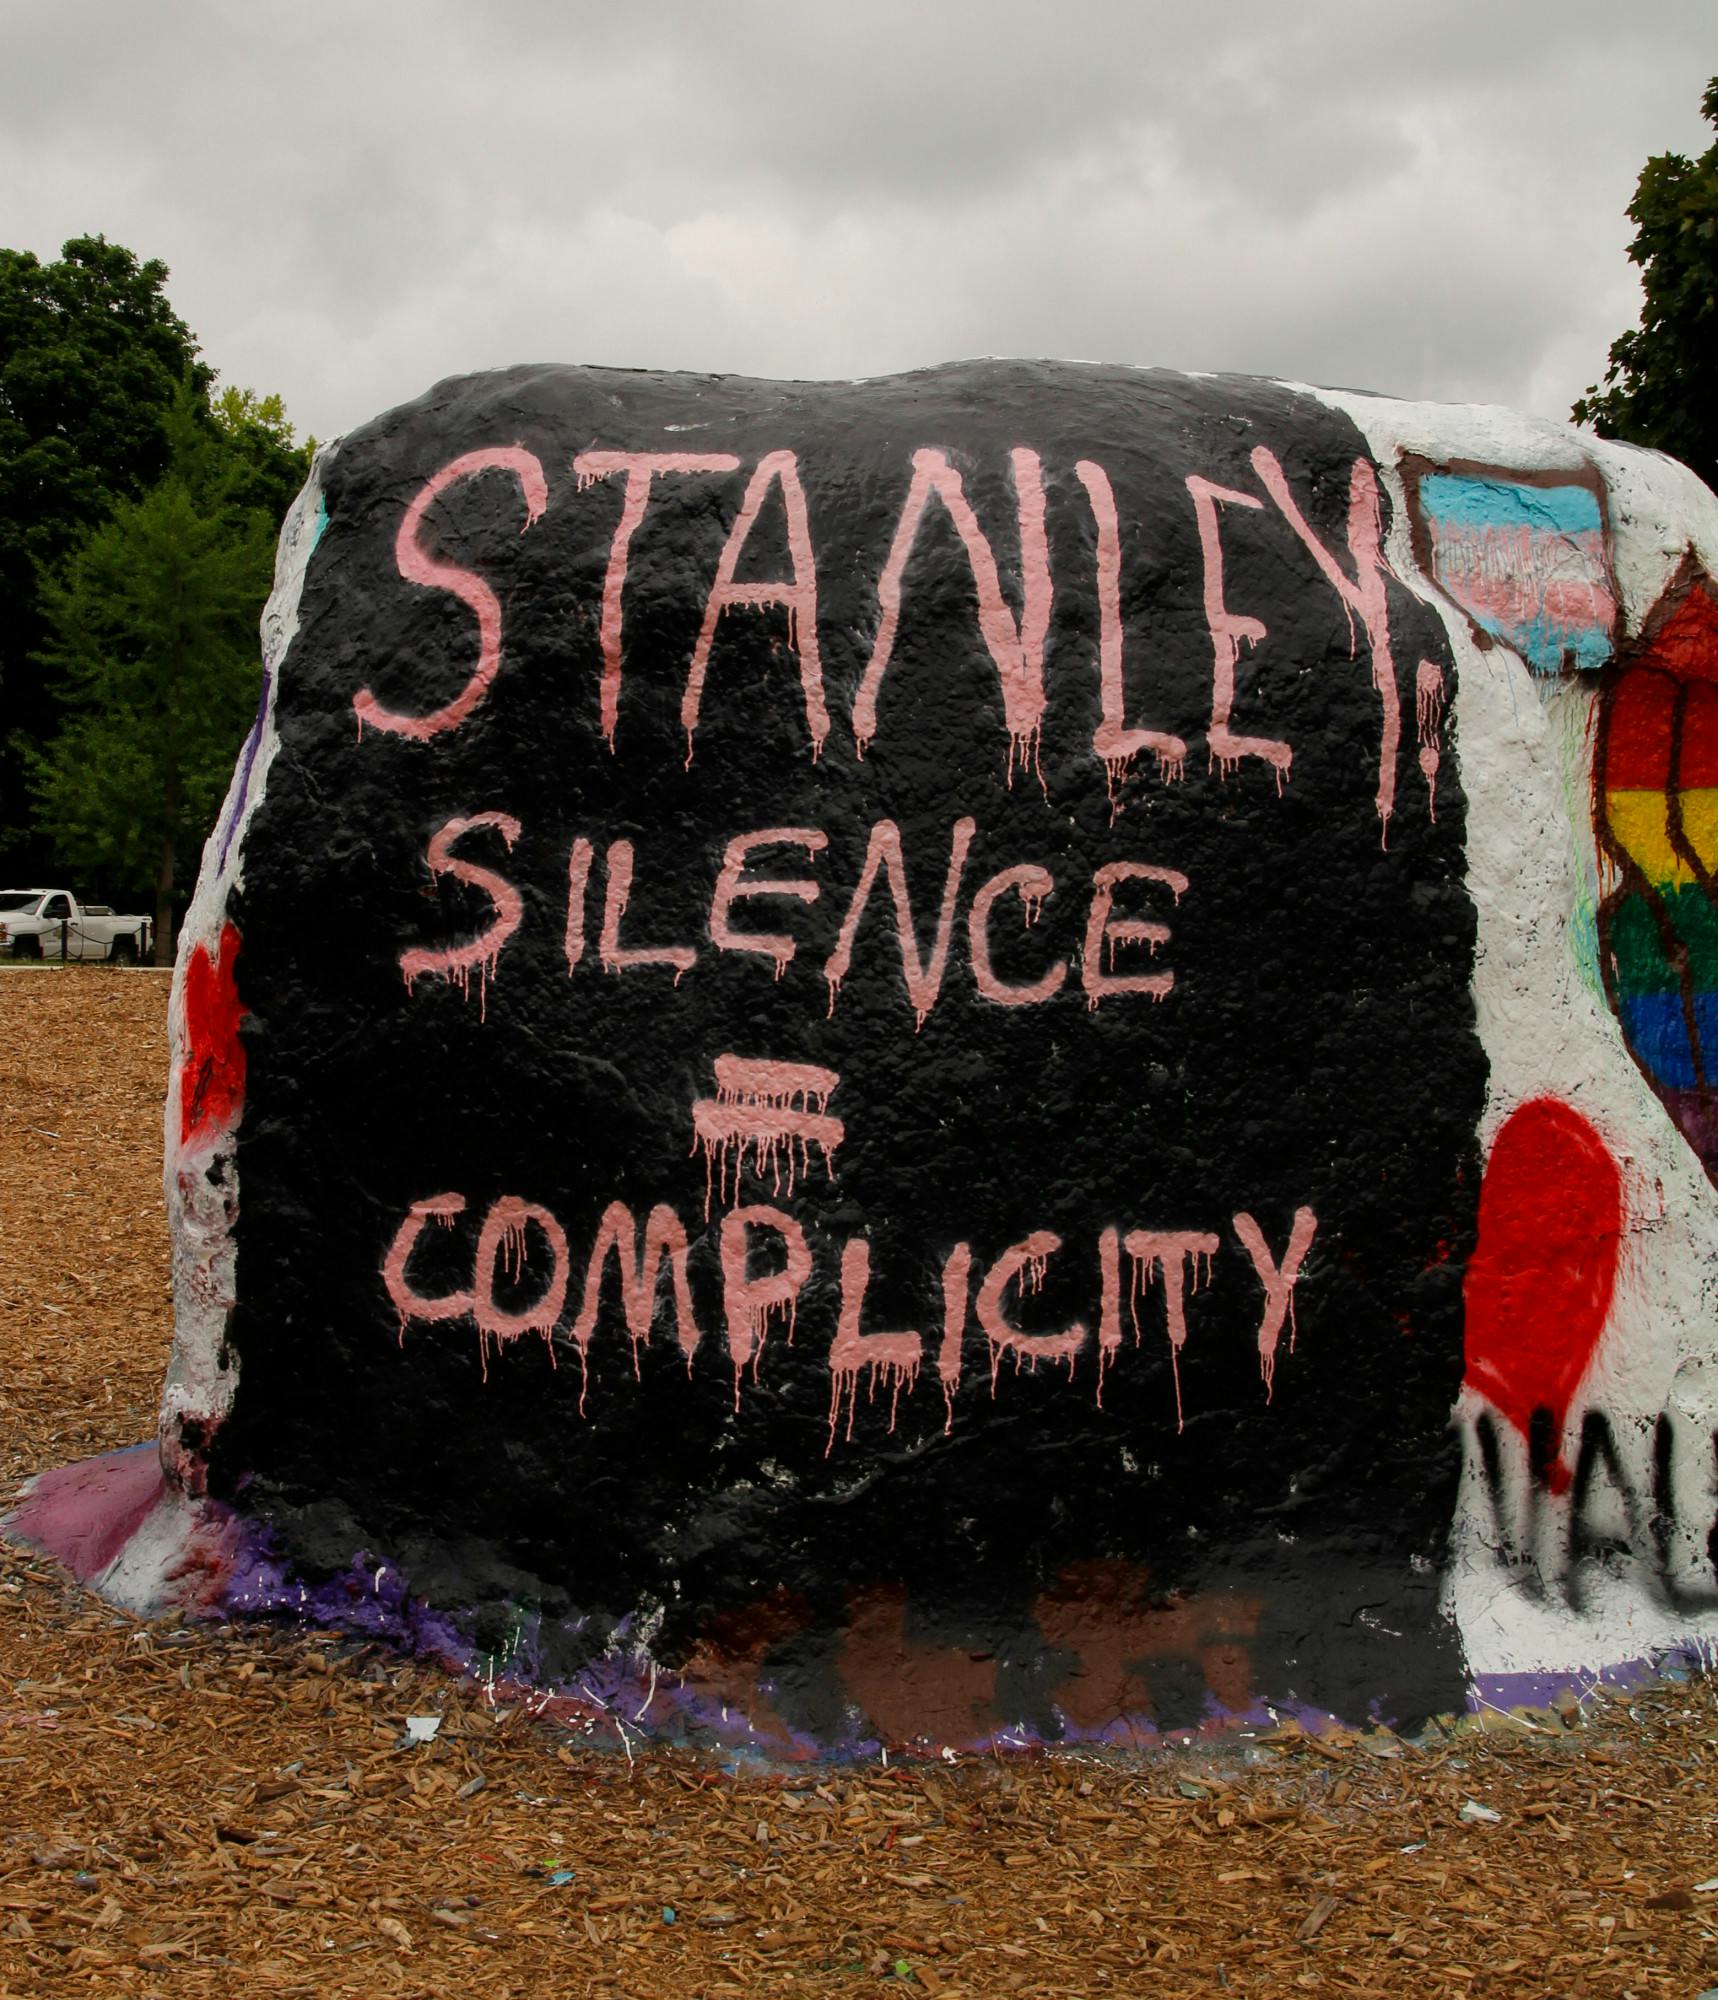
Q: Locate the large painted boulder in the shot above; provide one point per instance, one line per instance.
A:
(1024, 1052)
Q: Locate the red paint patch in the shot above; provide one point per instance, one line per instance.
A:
(1640, 732)
(1687, 641)
(1538, 1288)
(212, 1072)
(1697, 753)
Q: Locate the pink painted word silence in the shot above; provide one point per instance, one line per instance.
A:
(749, 874)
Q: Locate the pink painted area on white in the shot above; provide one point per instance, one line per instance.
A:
(616, 957)
(923, 980)
(1514, 579)
(1105, 933)
(1230, 631)
(1363, 596)
(1278, 1281)
(777, 1109)
(1112, 740)
(893, 1356)
(1027, 1262)
(640, 467)
(1034, 886)
(417, 565)
(732, 884)
(748, 1302)
(797, 593)
(456, 963)
(1015, 646)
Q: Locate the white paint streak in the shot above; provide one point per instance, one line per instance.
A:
(1523, 747)
(201, 1181)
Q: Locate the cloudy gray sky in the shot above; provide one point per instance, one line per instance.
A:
(357, 199)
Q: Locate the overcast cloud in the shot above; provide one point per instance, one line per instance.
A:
(356, 200)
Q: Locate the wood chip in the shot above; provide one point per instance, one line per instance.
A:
(211, 1810)
(1317, 1917)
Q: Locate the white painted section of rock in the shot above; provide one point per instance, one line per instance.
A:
(1525, 748)
(154, 1571)
(201, 1180)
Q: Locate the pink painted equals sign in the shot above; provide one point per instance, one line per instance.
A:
(777, 1109)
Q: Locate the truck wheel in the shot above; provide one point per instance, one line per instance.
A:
(27, 947)
(123, 951)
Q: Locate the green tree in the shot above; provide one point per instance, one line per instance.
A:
(1661, 387)
(152, 655)
(91, 359)
(267, 463)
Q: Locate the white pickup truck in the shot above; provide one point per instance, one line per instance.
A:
(51, 923)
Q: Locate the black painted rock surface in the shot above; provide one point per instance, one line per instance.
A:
(1105, 1102)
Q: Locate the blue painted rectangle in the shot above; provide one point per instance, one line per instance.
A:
(1657, 1032)
(1467, 502)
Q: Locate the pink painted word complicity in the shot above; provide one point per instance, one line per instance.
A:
(924, 966)
(1178, 1260)
(1014, 642)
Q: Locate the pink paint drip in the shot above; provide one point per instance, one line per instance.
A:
(957, 1284)
(503, 1245)
(1028, 1261)
(749, 1302)
(578, 885)
(1105, 932)
(883, 851)
(1033, 885)
(615, 956)
(456, 963)
(1112, 740)
(1170, 1251)
(778, 1109)
(797, 593)
(1365, 597)
(732, 884)
(896, 1357)
(417, 565)
(1016, 647)
(1278, 1282)
(409, 1304)
(664, 1237)
(1109, 1310)
(640, 467)
(1230, 631)
(1429, 700)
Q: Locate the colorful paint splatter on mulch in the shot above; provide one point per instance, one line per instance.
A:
(201, 1811)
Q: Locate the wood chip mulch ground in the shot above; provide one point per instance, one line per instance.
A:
(222, 1811)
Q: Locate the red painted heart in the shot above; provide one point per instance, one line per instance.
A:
(1538, 1287)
